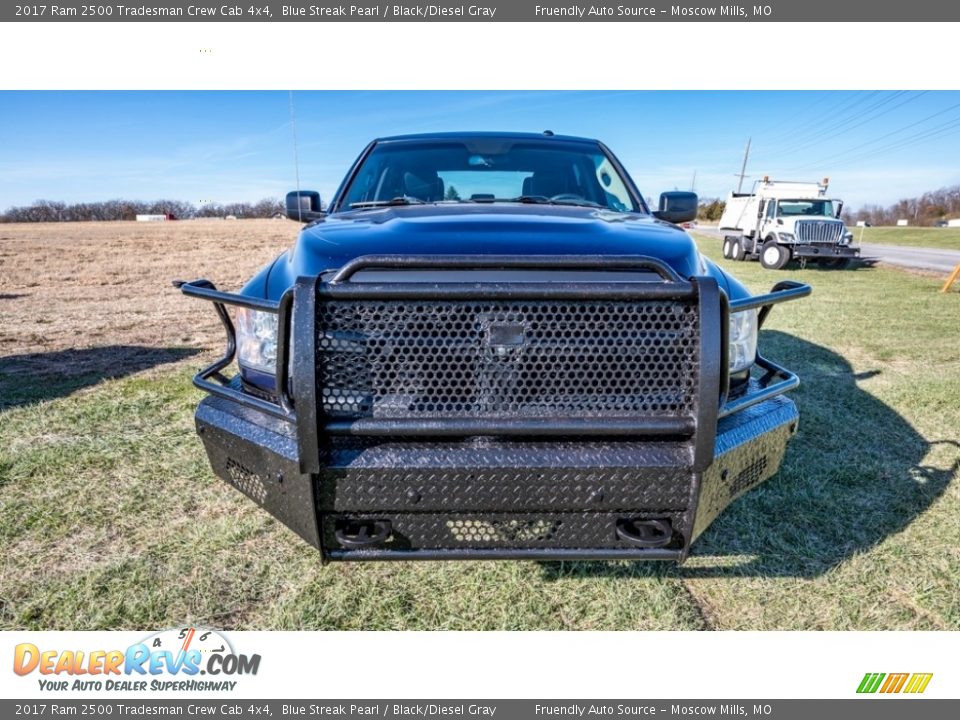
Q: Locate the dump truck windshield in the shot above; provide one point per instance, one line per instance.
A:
(787, 208)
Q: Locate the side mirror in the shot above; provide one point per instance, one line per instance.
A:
(677, 207)
(304, 206)
(839, 208)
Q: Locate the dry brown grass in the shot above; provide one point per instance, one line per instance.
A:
(82, 285)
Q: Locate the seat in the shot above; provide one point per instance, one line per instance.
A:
(545, 184)
(426, 186)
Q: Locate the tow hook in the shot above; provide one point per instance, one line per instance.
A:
(645, 533)
(358, 534)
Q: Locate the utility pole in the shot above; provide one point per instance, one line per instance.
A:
(693, 183)
(743, 168)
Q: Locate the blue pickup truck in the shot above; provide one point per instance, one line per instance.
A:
(488, 346)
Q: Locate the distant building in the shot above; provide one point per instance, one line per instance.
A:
(902, 222)
(155, 218)
(953, 223)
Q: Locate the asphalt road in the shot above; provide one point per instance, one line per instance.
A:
(928, 259)
(942, 261)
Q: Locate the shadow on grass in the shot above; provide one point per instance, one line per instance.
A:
(26, 379)
(861, 263)
(852, 477)
(855, 264)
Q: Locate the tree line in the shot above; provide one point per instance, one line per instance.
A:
(710, 210)
(56, 211)
(926, 209)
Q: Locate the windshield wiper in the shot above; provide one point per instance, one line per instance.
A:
(544, 200)
(579, 203)
(401, 200)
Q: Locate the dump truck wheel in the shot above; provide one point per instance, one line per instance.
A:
(736, 250)
(726, 248)
(773, 256)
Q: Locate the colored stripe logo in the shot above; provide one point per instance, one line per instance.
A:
(913, 683)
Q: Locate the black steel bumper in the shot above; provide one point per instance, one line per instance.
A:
(825, 251)
(544, 488)
(469, 500)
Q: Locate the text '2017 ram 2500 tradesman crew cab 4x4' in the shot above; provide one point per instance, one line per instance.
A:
(487, 346)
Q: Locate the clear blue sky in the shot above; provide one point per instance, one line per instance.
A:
(876, 146)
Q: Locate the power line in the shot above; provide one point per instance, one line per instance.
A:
(794, 116)
(842, 125)
(851, 116)
(889, 134)
(950, 127)
(844, 110)
(869, 118)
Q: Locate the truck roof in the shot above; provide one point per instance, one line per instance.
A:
(786, 189)
(462, 135)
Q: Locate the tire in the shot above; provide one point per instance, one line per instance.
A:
(726, 248)
(736, 250)
(774, 256)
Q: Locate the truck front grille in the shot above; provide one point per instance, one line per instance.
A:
(819, 231)
(429, 359)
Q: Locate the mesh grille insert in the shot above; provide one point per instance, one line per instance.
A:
(526, 359)
(246, 480)
(748, 477)
(503, 531)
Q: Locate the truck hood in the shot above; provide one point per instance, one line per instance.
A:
(475, 229)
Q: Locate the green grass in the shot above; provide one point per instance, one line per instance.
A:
(939, 238)
(111, 518)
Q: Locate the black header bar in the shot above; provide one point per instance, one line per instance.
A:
(224, 707)
(850, 11)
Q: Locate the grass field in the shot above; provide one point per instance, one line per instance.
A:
(111, 518)
(940, 238)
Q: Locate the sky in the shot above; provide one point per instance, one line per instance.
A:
(201, 146)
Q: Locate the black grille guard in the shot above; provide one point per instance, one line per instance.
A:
(296, 397)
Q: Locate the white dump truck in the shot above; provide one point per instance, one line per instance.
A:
(782, 221)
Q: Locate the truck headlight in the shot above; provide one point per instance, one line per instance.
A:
(786, 237)
(743, 340)
(847, 238)
(257, 339)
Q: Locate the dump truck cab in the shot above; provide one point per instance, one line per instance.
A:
(488, 346)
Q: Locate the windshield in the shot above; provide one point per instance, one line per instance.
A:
(488, 170)
(786, 208)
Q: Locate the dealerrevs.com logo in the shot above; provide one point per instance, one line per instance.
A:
(181, 659)
(892, 683)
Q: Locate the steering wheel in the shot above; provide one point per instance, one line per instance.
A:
(566, 196)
